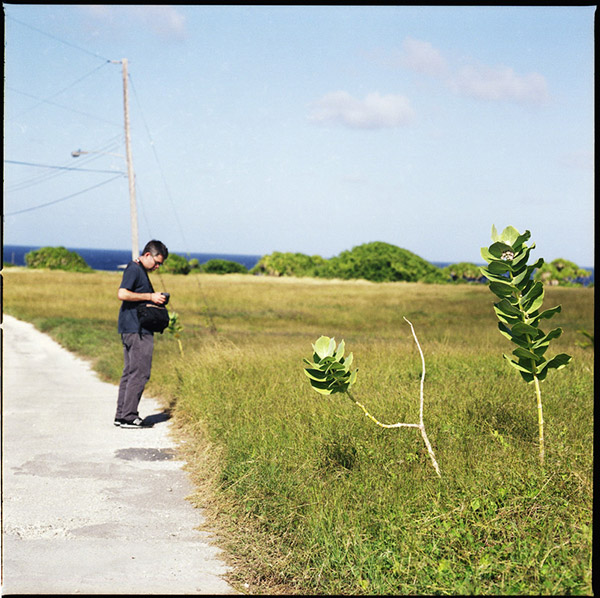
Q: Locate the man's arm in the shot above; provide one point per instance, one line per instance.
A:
(127, 295)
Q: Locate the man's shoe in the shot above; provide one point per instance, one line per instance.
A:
(118, 421)
(136, 423)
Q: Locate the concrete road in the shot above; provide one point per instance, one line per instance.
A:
(89, 508)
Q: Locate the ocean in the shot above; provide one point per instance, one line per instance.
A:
(114, 259)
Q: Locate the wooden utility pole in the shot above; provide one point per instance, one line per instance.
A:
(135, 245)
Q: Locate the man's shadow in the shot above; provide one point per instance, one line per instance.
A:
(158, 418)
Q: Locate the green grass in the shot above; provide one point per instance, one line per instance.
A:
(309, 496)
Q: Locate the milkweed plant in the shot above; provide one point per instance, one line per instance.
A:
(175, 328)
(520, 311)
(330, 372)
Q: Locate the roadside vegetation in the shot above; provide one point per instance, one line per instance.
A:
(306, 495)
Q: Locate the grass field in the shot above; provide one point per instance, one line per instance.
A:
(309, 496)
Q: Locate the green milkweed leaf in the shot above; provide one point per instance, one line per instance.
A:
(501, 289)
(317, 375)
(527, 376)
(518, 242)
(509, 235)
(321, 387)
(324, 347)
(495, 235)
(558, 361)
(518, 366)
(499, 267)
(523, 353)
(545, 339)
(507, 308)
(520, 329)
(499, 249)
(486, 255)
(548, 313)
(522, 258)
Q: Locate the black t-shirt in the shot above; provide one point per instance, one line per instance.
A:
(134, 279)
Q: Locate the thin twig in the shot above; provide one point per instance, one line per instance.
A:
(378, 422)
(421, 422)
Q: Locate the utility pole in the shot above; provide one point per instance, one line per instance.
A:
(135, 246)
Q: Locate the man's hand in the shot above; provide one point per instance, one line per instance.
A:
(158, 298)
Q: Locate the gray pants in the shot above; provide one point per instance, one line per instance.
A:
(137, 354)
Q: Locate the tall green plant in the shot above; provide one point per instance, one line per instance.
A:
(519, 310)
(329, 372)
(175, 328)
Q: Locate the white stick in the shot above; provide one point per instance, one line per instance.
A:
(421, 424)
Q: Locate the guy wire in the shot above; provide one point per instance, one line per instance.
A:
(212, 326)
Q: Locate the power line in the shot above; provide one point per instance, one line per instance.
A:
(212, 325)
(49, 203)
(62, 167)
(62, 41)
(46, 100)
(46, 176)
(159, 167)
(43, 101)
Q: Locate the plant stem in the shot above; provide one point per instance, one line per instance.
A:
(377, 421)
(421, 424)
(540, 418)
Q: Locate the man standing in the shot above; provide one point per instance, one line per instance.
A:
(138, 343)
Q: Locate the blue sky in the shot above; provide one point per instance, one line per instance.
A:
(308, 129)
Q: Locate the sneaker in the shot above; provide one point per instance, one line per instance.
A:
(118, 421)
(136, 423)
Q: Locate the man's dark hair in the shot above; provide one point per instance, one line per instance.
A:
(155, 248)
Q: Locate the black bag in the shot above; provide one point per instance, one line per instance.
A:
(152, 317)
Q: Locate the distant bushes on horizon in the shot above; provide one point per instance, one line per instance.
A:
(56, 258)
(376, 262)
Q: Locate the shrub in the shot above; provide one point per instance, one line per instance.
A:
(176, 264)
(463, 272)
(289, 264)
(220, 266)
(56, 258)
(381, 262)
(561, 272)
(377, 262)
(194, 264)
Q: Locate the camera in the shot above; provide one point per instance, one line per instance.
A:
(167, 295)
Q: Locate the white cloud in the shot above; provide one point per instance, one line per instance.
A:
(422, 57)
(500, 84)
(376, 111)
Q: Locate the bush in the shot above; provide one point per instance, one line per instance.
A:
(561, 272)
(176, 264)
(289, 264)
(219, 266)
(378, 262)
(381, 262)
(56, 258)
(463, 272)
